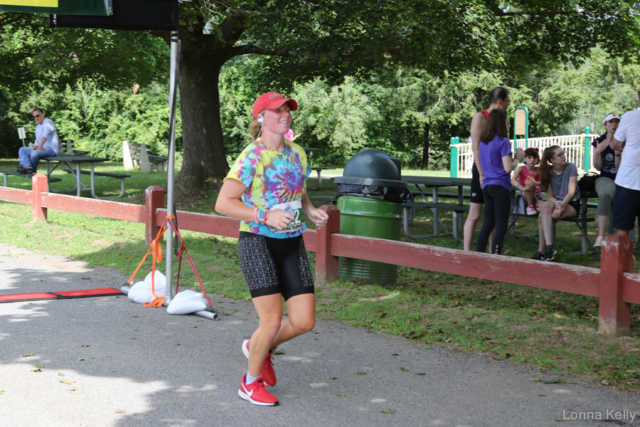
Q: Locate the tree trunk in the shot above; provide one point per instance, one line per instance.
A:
(204, 163)
(425, 148)
(201, 59)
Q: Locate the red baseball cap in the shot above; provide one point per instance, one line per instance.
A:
(271, 101)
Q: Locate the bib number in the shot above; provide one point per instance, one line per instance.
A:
(294, 209)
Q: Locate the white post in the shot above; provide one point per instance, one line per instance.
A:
(126, 156)
(70, 147)
(22, 135)
(145, 165)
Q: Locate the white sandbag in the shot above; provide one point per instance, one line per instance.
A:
(186, 302)
(160, 281)
(141, 292)
(135, 290)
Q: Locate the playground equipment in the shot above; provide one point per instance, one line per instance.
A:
(576, 147)
(521, 126)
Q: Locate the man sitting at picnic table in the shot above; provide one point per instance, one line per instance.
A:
(45, 144)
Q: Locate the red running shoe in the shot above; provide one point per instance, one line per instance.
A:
(256, 393)
(268, 373)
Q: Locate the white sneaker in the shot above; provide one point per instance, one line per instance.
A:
(531, 210)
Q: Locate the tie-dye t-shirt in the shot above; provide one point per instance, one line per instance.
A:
(272, 179)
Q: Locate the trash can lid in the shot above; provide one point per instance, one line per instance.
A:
(372, 167)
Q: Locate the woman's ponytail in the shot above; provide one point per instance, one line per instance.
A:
(545, 167)
(254, 128)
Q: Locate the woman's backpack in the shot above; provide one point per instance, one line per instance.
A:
(588, 182)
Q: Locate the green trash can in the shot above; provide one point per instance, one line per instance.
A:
(370, 197)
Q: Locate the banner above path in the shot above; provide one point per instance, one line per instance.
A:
(65, 7)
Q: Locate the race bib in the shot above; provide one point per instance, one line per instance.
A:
(292, 208)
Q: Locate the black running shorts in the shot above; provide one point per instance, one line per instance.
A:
(275, 266)
(626, 208)
(476, 189)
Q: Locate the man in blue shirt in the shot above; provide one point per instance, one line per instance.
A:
(45, 144)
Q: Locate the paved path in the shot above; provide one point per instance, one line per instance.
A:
(136, 366)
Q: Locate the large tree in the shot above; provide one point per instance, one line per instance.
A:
(334, 38)
(328, 38)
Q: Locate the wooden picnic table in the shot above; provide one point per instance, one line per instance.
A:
(77, 161)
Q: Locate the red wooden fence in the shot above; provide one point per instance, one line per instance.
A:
(614, 284)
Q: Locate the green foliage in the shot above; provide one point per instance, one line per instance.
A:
(98, 119)
(31, 51)
(45, 67)
(336, 118)
(605, 85)
(394, 109)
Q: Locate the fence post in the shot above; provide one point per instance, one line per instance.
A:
(587, 150)
(453, 163)
(154, 200)
(326, 264)
(616, 258)
(39, 185)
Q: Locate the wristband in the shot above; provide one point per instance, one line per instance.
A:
(255, 215)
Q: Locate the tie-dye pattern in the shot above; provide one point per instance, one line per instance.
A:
(271, 178)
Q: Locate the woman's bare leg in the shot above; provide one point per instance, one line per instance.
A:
(269, 309)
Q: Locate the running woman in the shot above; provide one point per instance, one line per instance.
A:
(266, 190)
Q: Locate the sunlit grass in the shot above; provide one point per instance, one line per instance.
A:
(555, 331)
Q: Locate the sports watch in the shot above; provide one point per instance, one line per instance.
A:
(263, 214)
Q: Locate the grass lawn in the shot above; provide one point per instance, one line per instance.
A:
(554, 331)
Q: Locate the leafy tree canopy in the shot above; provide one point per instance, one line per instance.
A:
(32, 53)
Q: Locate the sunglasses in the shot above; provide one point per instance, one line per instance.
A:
(37, 115)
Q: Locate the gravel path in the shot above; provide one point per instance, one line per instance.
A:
(126, 365)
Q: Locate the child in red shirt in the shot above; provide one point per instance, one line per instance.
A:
(527, 180)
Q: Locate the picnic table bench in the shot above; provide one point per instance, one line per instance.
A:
(457, 209)
(23, 175)
(408, 213)
(319, 170)
(119, 176)
(66, 147)
(581, 221)
(137, 155)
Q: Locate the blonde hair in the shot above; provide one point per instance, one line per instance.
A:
(255, 127)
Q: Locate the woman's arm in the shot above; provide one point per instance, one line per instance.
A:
(549, 193)
(571, 191)
(316, 215)
(229, 203)
(510, 163)
(597, 158)
(477, 124)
